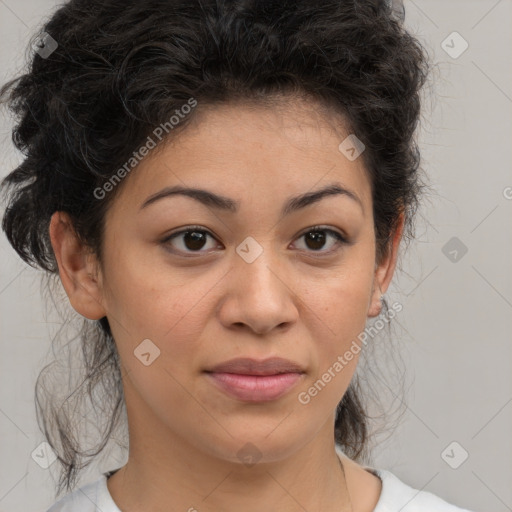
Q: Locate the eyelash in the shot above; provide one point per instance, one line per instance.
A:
(341, 240)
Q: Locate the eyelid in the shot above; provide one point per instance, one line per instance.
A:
(326, 229)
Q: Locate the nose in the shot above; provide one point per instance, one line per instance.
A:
(259, 295)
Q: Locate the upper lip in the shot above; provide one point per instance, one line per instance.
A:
(248, 366)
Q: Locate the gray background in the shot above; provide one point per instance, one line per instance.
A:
(456, 328)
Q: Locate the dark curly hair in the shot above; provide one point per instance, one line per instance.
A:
(111, 71)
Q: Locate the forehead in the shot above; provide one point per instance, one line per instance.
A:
(241, 149)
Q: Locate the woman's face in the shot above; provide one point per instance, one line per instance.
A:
(250, 283)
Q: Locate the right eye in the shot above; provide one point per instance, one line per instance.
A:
(189, 240)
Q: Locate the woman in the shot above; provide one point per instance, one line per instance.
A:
(222, 189)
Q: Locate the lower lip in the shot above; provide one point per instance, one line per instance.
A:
(255, 388)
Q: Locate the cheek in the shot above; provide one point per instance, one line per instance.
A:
(151, 299)
(335, 346)
(342, 303)
(344, 295)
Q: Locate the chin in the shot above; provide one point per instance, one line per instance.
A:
(258, 444)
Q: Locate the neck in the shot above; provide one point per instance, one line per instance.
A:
(161, 473)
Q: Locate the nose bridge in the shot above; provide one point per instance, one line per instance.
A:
(261, 298)
(259, 266)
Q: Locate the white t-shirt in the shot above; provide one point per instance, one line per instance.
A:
(395, 496)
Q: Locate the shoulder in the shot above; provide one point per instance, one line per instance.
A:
(390, 494)
(396, 495)
(92, 497)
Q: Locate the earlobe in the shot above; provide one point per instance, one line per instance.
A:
(385, 270)
(78, 269)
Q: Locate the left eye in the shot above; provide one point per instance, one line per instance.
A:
(316, 238)
(194, 239)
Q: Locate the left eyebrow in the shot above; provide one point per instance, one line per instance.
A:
(225, 203)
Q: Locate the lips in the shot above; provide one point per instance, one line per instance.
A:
(248, 366)
(250, 380)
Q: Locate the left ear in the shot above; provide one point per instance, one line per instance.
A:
(385, 269)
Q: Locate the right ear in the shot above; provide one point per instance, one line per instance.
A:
(78, 268)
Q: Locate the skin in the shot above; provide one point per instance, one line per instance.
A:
(202, 310)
